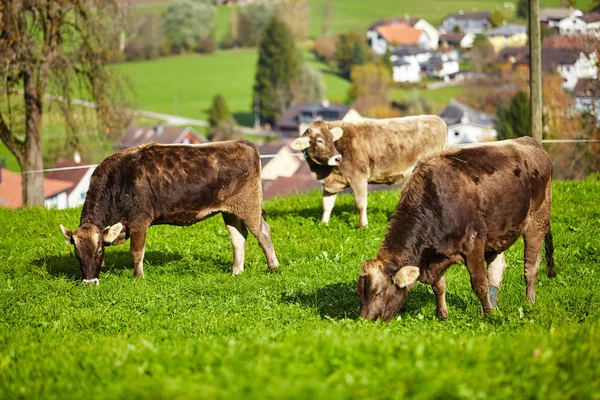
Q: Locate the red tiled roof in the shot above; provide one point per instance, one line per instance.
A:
(400, 33)
(11, 189)
(70, 175)
(136, 135)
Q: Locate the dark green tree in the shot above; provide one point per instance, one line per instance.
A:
(386, 60)
(351, 48)
(523, 9)
(278, 66)
(218, 111)
(513, 120)
(497, 18)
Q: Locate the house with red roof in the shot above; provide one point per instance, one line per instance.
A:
(11, 192)
(401, 31)
(78, 173)
(136, 135)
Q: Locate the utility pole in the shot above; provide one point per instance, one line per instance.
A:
(535, 70)
(256, 112)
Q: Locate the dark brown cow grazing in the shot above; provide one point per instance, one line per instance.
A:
(467, 206)
(368, 151)
(174, 185)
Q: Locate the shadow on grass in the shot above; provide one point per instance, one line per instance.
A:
(68, 265)
(337, 301)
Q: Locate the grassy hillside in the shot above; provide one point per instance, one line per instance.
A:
(190, 330)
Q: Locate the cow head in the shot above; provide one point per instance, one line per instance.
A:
(317, 144)
(382, 289)
(89, 242)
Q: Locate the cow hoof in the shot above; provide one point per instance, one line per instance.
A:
(442, 315)
(236, 272)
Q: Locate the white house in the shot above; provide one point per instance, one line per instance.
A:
(571, 65)
(441, 65)
(467, 125)
(586, 24)
(76, 172)
(474, 22)
(587, 96)
(551, 17)
(410, 54)
(457, 39)
(406, 71)
(399, 31)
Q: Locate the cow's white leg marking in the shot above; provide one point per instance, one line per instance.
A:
(238, 233)
(360, 200)
(495, 274)
(328, 203)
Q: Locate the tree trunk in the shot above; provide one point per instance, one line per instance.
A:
(535, 69)
(33, 183)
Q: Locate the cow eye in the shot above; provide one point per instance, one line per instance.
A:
(320, 141)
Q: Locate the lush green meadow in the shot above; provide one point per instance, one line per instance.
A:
(190, 330)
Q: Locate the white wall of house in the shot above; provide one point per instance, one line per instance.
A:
(378, 43)
(77, 196)
(58, 201)
(574, 26)
(470, 133)
(588, 104)
(407, 73)
(448, 67)
(584, 67)
(432, 33)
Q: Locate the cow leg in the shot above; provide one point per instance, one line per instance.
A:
(495, 273)
(479, 282)
(360, 200)
(262, 232)
(328, 203)
(238, 233)
(533, 258)
(439, 288)
(137, 249)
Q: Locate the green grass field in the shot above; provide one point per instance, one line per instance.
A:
(190, 330)
(185, 85)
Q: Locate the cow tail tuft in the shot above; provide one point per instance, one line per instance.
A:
(549, 246)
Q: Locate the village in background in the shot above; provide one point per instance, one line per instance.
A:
(471, 68)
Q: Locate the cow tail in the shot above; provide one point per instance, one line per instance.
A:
(549, 246)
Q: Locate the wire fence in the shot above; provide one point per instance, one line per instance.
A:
(267, 156)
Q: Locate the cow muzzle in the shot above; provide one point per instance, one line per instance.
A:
(94, 281)
(335, 160)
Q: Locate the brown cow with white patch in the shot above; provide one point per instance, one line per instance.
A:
(174, 185)
(342, 154)
(467, 205)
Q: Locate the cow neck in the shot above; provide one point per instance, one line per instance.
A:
(408, 236)
(99, 206)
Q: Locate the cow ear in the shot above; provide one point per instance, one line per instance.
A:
(301, 143)
(337, 133)
(406, 276)
(67, 234)
(112, 232)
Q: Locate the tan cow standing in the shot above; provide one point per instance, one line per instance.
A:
(356, 153)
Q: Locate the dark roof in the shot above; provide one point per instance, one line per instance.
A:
(455, 111)
(587, 87)
(507, 30)
(555, 13)
(591, 17)
(551, 57)
(301, 182)
(452, 37)
(290, 119)
(400, 62)
(471, 15)
(136, 135)
(409, 51)
(70, 175)
(393, 20)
